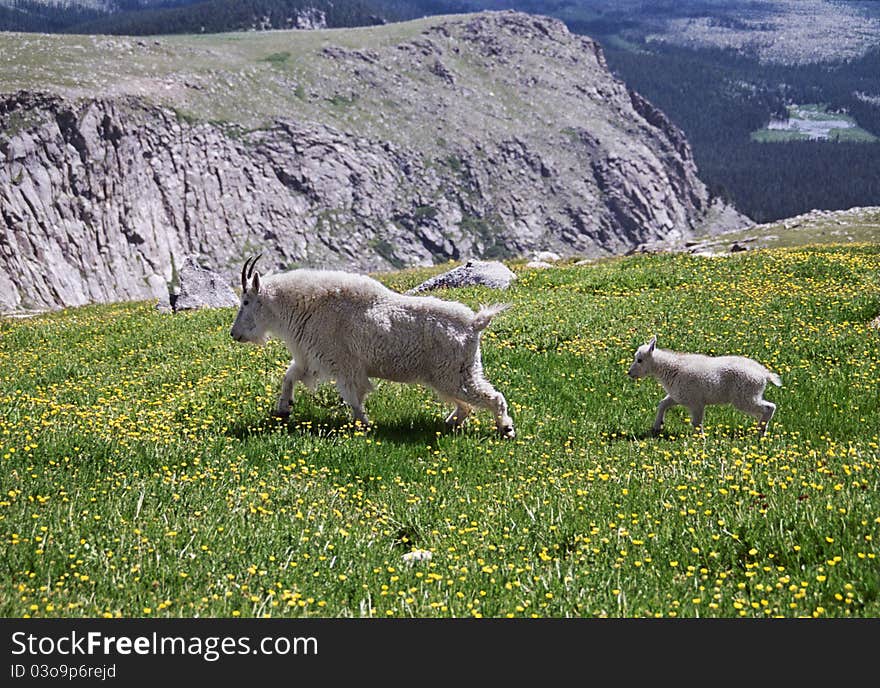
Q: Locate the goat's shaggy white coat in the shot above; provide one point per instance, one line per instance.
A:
(696, 381)
(350, 327)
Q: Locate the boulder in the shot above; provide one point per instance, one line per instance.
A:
(200, 287)
(493, 274)
(546, 257)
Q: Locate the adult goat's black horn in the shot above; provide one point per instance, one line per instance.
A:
(244, 274)
(253, 265)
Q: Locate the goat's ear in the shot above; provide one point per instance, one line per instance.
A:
(255, 283)
(652, 344)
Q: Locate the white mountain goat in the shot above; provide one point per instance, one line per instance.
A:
(350, 327)
(695, 381)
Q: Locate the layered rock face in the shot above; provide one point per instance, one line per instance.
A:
(481, 136)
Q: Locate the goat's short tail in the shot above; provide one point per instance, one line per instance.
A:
(485, 314)
(774, 378)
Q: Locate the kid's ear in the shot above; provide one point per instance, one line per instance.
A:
(652, 344)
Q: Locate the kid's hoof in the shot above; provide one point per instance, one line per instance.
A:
(281, 414)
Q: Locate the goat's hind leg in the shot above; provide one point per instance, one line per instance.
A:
(766, 416)
(762, 410)
(479, 392)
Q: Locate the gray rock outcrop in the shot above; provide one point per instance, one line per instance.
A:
(493, 274)
(481, 136)
(201, 287)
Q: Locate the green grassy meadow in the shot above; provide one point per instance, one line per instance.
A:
(143, 474)
(813, 119)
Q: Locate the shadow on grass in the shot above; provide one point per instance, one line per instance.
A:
(628, 436)
(744, 432)
(726, 432)
(418, 430)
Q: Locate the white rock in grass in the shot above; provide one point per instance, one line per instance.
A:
(494, 274)
(417, 555)
(546, 257)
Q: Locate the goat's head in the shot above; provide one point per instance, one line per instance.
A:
(249, 325)
(643, 361)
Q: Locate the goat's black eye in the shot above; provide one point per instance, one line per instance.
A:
(638, 360)
(246, 303)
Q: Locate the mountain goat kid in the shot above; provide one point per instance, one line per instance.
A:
(350, 327)
(695, 381)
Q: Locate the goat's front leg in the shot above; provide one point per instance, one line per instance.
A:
(459, 415)
(353, 389)
(293, 375)
(665, 404)
(697, 411)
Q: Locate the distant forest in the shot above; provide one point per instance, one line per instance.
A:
(216, 16)
(182, 16)
(29, 15)
(719, 97)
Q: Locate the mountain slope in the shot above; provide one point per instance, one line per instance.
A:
(480, 135)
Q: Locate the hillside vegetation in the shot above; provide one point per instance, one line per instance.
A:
(244, 79)
(143, 474)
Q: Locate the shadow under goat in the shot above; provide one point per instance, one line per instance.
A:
(349, 328)
(696, 381)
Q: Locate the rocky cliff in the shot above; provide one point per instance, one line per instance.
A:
(486, 136)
